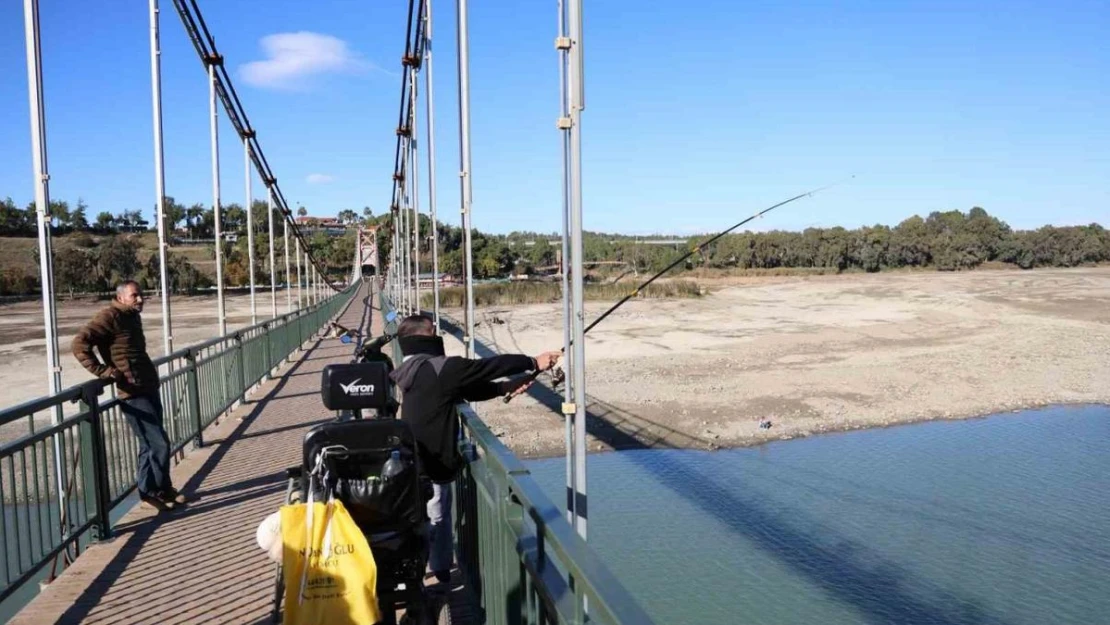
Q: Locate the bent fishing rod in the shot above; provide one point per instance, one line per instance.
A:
(698, 248)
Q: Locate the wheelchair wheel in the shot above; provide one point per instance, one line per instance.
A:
(444, 615)
(434, 611)
(437, 611)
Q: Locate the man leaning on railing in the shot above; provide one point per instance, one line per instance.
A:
(429, 395)
(116, 332)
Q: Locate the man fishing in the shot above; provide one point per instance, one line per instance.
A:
(431, 385)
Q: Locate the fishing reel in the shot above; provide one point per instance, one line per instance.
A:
(558, 376)
(558, 373)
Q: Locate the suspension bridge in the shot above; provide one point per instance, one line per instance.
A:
(76, 547)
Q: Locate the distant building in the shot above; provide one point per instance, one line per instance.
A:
(325, 224)
(427, 280)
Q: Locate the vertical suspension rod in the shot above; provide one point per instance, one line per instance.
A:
(429, 102)
(465, 173)
(221, 311)
(159, 173)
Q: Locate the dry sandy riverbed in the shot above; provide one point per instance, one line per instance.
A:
(815, 355)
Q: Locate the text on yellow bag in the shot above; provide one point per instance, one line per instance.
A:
(329, 572)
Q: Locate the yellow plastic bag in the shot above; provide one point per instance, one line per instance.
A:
(329, 572)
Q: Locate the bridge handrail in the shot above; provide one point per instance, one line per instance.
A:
(563, 575)
(60, 482)
(504, 520)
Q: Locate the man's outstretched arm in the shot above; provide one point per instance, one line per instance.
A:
(482, 391)
(466, 373)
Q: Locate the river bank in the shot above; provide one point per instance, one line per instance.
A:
(814, 354)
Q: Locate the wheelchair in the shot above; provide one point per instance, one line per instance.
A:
(391, 511)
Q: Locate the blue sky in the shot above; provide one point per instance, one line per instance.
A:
(697, 114)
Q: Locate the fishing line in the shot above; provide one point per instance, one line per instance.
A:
(698, 248)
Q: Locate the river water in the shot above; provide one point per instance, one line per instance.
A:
(1001, 520)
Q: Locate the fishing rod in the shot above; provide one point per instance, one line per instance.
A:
(698, 248)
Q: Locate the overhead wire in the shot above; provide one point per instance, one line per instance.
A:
(694, 250)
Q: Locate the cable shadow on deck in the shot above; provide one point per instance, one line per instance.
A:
(882, 591)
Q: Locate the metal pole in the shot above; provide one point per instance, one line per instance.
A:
(395, 261)
(273, 272)
(401, 251)
(406, 254)
(300, 280)
(159, 172)
(415, 186)
(359, 253)
(42, 205)
(250, 225)
(429, 103)
(288, 276)
(568, 388)
(408, 230)
(577, 104)
(216, 217)
(467, 195)
(42, 196)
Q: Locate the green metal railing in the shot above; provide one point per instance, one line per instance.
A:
(515, 547)
(59, 484)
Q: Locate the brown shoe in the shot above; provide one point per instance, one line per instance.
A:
(156, 502)
(172, 495)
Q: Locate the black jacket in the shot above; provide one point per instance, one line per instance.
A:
(430, 389)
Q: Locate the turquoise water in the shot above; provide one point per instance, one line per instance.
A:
(1002, 520)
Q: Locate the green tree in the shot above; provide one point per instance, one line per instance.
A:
(234, 218)
(15, 221)
(105, 222)
(59, 214)
(117, 259)
(451, 263)
(78, 219)
(193, 219)
(182, 275)
(175, 213)
(74, 270)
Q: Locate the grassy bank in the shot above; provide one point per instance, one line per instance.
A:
(511, 293)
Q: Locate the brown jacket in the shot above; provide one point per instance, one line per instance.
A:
(116, 333)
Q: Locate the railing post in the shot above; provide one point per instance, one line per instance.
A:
(96, 461)
(242, 368)
(266, 345)
(192, 387)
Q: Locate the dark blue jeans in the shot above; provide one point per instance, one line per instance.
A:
(144, 415)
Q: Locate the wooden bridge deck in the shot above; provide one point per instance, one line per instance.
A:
(201, 564)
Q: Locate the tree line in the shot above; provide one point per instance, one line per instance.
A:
(92, 258)
(946, 241)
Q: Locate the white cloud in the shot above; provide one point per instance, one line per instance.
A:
(319, 178)
(293, 58)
